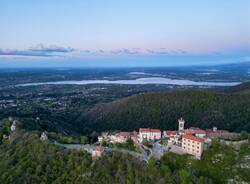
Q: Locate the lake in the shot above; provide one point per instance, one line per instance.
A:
(150, 80)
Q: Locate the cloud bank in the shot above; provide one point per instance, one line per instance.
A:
(39, 50)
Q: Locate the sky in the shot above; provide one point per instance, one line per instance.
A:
(93, 33)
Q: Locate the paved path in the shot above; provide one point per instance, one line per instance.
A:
(90, 148)
(75, 146)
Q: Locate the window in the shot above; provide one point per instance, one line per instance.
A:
(198, 147)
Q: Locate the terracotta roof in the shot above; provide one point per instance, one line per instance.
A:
(171, 133)
(149, 130)
(125, 134)
(155, 130)
(99, 149)
(218, 133)
(144, 130)
(128, 134)
(193, 138)
(194, 130)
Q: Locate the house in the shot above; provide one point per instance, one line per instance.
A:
(172, 136)
(116, 138)
(215, 133)
(134, 136)
(103, 137)
(120, 137)
(170, 133)
(97, 152)
(149, 134)
(100, 138)
(196, 131)
(128, 135)
(192, 145)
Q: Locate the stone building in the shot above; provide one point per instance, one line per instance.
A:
(193, 145)
(149, 134)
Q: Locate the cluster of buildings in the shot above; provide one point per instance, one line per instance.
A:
(120, 137)
(191, 141)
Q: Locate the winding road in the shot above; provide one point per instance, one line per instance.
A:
(90, 148)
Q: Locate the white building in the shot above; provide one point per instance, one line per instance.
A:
(196, 131)
(149, 134)
(172, 136)
(128, 135)
(13, 126)
(43, 137)
(117, 139)
(193, 145)
(104, 137)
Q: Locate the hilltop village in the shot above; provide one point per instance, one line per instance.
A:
(146, 148)
(149, 142)
(191, 141)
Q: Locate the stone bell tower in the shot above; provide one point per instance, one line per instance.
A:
(181, 126)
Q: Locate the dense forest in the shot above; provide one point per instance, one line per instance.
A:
(227, 109)
(29, 160)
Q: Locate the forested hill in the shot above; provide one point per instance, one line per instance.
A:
(242, 88)
(26, 159)
(202, 108)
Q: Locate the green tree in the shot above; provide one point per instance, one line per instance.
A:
(244, 134)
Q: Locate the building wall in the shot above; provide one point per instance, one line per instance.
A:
(149, 135)
(96, 154)
(201, 135)
(117, 139)
(192, 147)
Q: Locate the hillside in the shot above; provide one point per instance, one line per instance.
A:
(242, 88)
(203, 108)
(27, 159)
